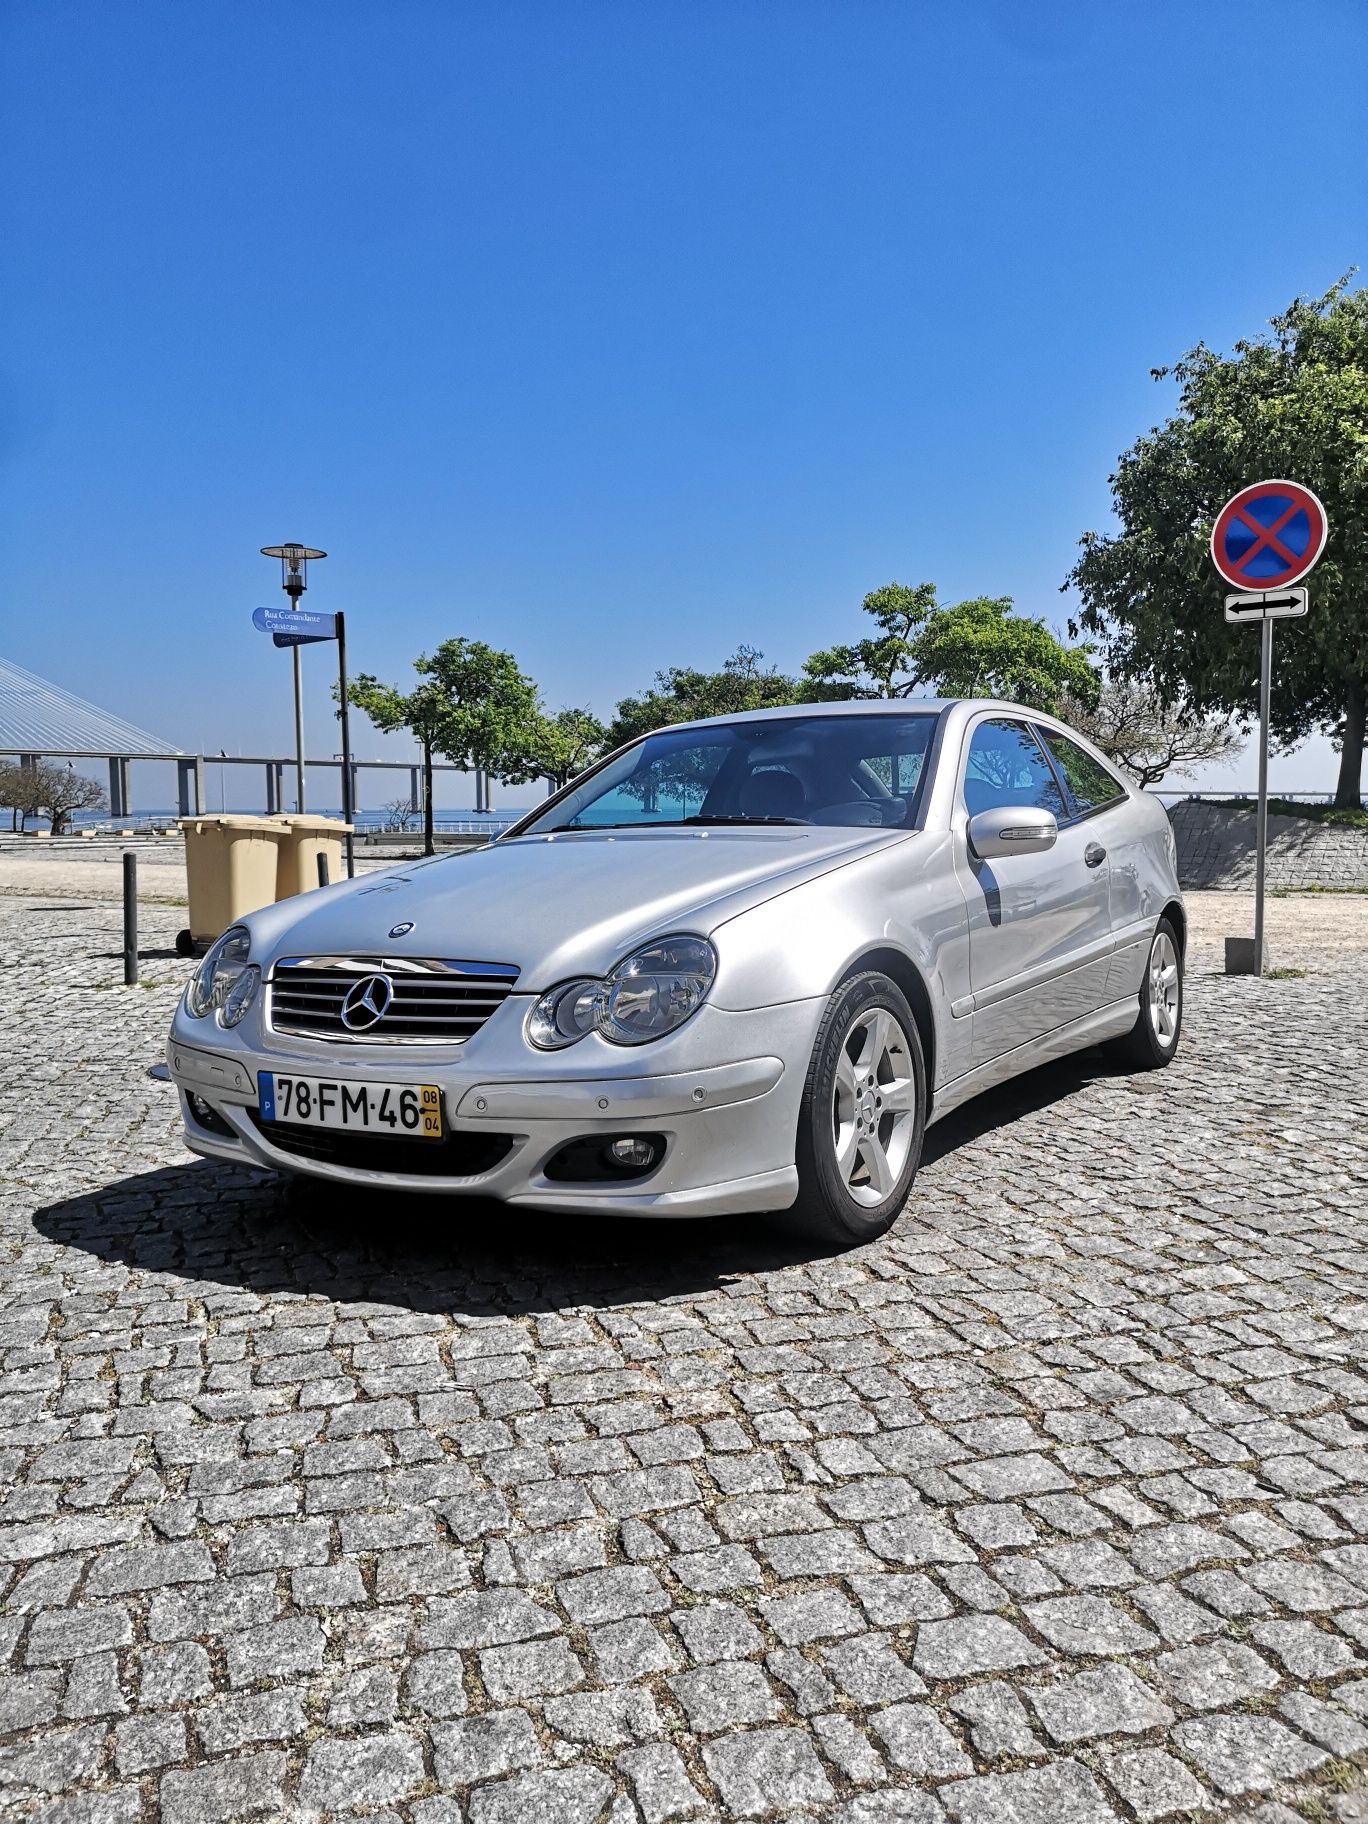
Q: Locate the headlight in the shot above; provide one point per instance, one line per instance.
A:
(655, 989)
(646, 995)
(240, 996)
(563, 1015)
(219, 975)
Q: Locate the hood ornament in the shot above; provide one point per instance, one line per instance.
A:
(402, 929)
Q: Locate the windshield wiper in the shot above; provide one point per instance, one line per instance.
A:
(720, 817)
(662, 823)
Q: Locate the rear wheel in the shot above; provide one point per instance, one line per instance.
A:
(863, 1113)
(1152, 1041)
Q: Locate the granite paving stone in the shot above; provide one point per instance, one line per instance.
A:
(1154, 1784)
(1043, 1509)
(760, 1770)
(1108, 1700)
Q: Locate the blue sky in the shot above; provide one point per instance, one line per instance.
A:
(611, 333)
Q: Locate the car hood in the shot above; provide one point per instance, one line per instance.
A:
(556, 907)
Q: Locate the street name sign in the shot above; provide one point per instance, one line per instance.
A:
(1286, 604)
(295, 626)
(1268, 536)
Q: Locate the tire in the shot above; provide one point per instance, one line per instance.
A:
(1153, 1040)
(857, 1150)
(185, 943)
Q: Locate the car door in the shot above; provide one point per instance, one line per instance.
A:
(1040, 932)
(1098, 797)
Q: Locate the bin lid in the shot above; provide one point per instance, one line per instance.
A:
(304, 824)
(259, 826)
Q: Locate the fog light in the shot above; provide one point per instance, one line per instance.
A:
(208, 1116)
(633, 1151)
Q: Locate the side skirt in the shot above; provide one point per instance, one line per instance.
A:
(1106, 1023)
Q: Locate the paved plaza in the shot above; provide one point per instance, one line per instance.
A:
(1049, 1508)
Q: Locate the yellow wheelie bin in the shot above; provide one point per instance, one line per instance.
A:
(306, 838)
(231, 868)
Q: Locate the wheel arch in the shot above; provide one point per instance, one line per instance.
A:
(1176, 914)
(898, 965)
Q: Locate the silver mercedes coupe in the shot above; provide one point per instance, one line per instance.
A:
(739, 965)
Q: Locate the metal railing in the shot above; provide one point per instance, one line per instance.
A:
(192, 779)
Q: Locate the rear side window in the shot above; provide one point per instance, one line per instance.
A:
(1006, 767)
(1088, 783)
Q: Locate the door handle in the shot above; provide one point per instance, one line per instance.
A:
(1094, 855)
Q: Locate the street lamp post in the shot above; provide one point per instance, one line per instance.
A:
(294, 580)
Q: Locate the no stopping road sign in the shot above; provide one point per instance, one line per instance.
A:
(1268, 536)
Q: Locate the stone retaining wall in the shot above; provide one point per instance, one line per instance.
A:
(1216, 849)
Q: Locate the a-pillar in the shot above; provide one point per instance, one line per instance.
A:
(120, 800)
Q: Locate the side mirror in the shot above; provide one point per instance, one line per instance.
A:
(1016, 829)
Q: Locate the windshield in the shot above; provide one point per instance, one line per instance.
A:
(861, 771)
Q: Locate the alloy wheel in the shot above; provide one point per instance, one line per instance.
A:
(874, 1106)
(1164, 989)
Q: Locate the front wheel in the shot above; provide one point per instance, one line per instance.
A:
(863, 1113)
(1152, 1041)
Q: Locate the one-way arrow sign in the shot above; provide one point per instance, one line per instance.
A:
(1277, 605)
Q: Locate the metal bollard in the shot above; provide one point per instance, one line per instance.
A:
(323, 876)
(130, 922)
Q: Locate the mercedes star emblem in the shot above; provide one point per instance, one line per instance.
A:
(367, 1002)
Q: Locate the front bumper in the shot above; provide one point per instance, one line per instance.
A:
(723, 1092)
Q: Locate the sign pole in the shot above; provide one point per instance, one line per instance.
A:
(1261, 840)
(348, 808)
(299, 732)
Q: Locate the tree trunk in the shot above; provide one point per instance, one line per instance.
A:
(429, 847)
(1349, 790)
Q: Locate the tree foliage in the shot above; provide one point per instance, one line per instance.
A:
(561, 746)
(975, 648)
(981, 648)
(474, 707)
(1151, 739)
(682, 695)
(1291, 404)
(884, 665)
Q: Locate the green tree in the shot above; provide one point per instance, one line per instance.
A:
(1294, 404)
(882, 665)
(682, 695)
(560, 746)
(977, 648)
(980, 648)
(474, 707)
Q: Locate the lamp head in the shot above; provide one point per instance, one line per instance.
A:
(294, 566)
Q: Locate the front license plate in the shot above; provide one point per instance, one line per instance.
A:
(402, 1110)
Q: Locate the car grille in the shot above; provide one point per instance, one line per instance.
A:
(462, 1155)
(435, 1001)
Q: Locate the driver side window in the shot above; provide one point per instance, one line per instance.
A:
(1006, 765)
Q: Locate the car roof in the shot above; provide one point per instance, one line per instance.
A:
(866, 706)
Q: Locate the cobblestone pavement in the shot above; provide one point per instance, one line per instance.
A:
(1051, 1506)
